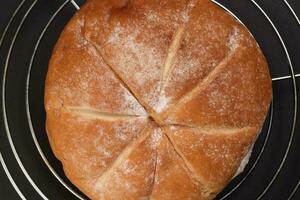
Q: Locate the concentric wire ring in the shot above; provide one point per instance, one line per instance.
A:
(297, 75)
(1, 158)
(4, 108)
(69, 188)
(10, 178)
(292, 11)
(269, 124)
(28, 107)
(271, 115)
(295, 100)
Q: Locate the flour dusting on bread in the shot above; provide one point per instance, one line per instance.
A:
(154, 99)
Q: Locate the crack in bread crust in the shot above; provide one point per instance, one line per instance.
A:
(128, 150)
(208, 129)
(200, 181)
(154, 174)
(171, 56)
(223, 130)
(117, 75)
(191, 170)
(207, 79)
(97, 114)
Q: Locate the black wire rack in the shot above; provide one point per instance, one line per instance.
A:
(26, 43)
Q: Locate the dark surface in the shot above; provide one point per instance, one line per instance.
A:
(18, 124)
(6, 10)
(6, 190)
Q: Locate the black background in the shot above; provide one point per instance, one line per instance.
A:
(21, 53)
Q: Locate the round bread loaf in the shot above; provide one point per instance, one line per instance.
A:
(154, 99)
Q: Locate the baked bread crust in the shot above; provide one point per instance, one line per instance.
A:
(155, 99)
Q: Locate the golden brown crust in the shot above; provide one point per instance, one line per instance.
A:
(154, 99)
(219, 151)
(132, 177)
(172, 175)
(230, 95)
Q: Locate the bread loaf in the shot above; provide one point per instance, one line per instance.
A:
(157, 99)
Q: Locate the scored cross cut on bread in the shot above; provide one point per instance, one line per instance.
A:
(154, 99)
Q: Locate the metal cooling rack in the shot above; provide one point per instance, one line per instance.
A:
(27, 7)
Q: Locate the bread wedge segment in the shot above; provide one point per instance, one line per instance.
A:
(77, 76)
(87, 147)
(229, 96)
(172, 175)
(213, 154)
(131, 177)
